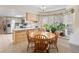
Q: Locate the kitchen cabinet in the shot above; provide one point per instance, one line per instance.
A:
(19, 36)
(31, 17)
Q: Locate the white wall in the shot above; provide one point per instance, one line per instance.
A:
(74, 38)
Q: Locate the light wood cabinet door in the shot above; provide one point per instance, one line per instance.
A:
(19, 36)
(31, 17)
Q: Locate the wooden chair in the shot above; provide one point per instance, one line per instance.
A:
(54, 41)
(41, 44)
(41, 29)
(30, 40)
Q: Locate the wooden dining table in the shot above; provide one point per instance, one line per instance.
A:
(50, 36)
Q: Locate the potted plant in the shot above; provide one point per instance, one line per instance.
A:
(47, 27)
(61, 28)
(53, 27)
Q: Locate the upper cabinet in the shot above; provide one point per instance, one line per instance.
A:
(31, 17)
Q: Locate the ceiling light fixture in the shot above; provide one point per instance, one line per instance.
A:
(43, 8)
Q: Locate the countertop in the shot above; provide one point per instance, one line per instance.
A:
(18, 29)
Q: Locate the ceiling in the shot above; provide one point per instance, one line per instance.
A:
(20, 10)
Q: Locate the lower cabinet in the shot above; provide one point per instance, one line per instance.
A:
(19, 36)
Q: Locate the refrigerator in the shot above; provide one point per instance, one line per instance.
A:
(10, 26)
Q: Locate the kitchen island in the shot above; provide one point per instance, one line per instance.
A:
(20, 34)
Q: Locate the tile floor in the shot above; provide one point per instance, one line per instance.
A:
(6, 45)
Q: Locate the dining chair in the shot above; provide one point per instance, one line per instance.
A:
(41, 44)
(41, 29)
(54, 42)
(30, 40)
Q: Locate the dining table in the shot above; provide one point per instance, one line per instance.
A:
(50, 36)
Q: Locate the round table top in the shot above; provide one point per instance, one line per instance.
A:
(49, 35)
